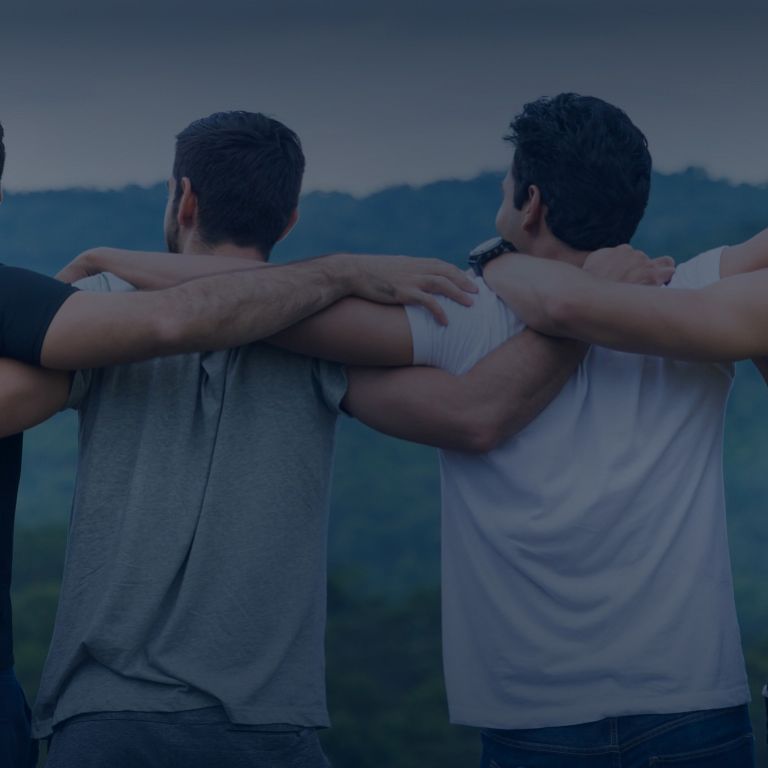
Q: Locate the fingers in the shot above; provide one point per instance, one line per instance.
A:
(626, 264)
(439, 268)
(428, 301)
(406, 280)
(444, 287)
(653, 276)
(663, 269)
(68, 275)
(459, 278)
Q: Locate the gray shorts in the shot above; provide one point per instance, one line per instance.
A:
(202, 738)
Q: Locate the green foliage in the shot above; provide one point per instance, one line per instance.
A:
(384, 666)
(757, 669)
(385, 684)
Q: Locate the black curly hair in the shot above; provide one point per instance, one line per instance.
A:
(590, 163)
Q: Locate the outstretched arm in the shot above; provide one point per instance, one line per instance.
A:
(749, 256)
(473, 412)
(150, 271)
(233, 309)
(44, 321)
(502, 393)
(725, 321)
(352, 331)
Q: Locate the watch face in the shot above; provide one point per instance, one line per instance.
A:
(488, 245)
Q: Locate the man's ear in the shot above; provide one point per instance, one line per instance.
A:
(291, 224)
(187, 212)
(533, 210)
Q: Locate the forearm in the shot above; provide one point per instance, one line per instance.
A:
(352, 332)
(538, 290)
(725, 321)
(94, 330)
(511, 386)
(232, 309)
(745, 257)
(155, 271)
(473, 412)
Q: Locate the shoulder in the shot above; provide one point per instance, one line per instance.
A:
(700, 271)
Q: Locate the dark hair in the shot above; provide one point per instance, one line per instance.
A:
(591, 164)
(2, 151)
(246, 170)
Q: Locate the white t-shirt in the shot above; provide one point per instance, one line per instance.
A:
(585, 561)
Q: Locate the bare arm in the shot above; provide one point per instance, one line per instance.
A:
(726, 321)
(29, 395)
(502, 393)
(152, 271)
(473, 412)
(749, 256)
(93, 330)
(353, 332)
(156, 271)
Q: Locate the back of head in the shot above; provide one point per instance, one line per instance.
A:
(246, 170)
(591, 165)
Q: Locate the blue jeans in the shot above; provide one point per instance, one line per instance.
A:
(17, 750)
(719, 738)
(201, 738)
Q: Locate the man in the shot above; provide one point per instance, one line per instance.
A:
(587, 598)
(592, 550)
(191, 618)
(42, 320)
(726, 321)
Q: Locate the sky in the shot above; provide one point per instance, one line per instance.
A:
(92, 92)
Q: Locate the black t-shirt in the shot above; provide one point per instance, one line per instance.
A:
(28, 304)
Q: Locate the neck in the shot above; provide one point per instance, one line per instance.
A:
(196, 246)
(557, 251)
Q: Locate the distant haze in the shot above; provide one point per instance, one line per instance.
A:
(402, 92)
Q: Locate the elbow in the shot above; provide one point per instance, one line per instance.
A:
(481, 437)
(7, 426)
(12, 410)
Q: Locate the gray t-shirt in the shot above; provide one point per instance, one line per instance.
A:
(196, 562)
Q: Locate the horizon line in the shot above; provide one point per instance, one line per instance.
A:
(696, 170)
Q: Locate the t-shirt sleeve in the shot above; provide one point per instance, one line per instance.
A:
(82, 381)
(471, 332)
(28, 303)
(698, 272)
(331, 382)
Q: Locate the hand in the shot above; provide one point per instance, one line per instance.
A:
(406, 280)
(82, 266)
(624, 264)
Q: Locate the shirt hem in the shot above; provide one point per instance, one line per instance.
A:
(577, 714)
(305, 718)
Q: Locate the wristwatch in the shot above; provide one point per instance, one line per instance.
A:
(485, 252)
